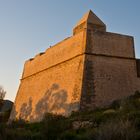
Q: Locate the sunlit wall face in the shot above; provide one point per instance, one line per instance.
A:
(29, 27)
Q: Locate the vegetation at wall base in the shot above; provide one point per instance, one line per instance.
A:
(119, 121)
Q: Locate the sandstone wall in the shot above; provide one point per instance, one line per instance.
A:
(65, 50)
(110, 69)
(55, 90)
(51, 82)
(88, 70)
(111, 78)
(110, 44)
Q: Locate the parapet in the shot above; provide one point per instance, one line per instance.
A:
(110, 44)
(89, 36)
(57, 54)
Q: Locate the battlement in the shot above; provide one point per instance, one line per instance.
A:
(42, 53)
(91, 30)
(110, 44)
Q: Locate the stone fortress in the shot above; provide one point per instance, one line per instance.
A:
(88, 70)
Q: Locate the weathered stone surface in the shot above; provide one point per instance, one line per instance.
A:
(88, 70)
(52, 90)
(90, 22)
(110, 44)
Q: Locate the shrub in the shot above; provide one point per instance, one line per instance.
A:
(115, 104)
(2, 93)
(54, 125)
(87, 134)
(69, 135)
(17, 124)
(127, 104)
(117, 130)
(2, 131)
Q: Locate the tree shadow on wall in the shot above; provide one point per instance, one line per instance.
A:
(24, 113)
(13, 114)
(54, 101)
(26, 110)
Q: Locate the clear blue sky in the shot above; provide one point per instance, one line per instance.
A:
(28, 27)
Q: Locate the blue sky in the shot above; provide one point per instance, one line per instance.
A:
(28, 27)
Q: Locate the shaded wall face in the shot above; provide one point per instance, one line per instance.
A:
(110, 44)
(110, 70)
(112, 79)
(55, 90)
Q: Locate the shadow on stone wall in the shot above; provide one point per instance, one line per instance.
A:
(13, 114)
(53, 101)
(26, 110)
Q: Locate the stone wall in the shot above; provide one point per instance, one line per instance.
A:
(63, 51)
(52, 81)
(112, 79)
(88, 70)
(110, 44)
(56, 90)
(110, 70)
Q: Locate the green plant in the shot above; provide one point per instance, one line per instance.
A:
(2, 131)
(17, 124)
(54, 126)
(117, 130)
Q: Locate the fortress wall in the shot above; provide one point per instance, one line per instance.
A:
(56, 90)
(113, 78)
(111, 44)
(62, 51)
(88, 70)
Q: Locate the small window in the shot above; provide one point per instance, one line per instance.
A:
(138, 67)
